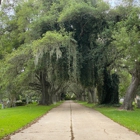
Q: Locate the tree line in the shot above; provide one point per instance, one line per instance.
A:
(49, 48)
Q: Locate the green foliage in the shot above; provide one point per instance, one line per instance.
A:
(20, 103)
(13, 65)
(57, 47)
(75, 11)
(70, 96)
(125, 79)
(90, 105)
(126, 38)
(108, 90)
(81, 41)
(52, 39)
(13, 119)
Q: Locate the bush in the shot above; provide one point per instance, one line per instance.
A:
(20, 103)
(30, 102)
(67, 98)
(73, 98)
(24, 100)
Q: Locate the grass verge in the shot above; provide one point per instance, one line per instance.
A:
(129, 119)
(13, 119)
(86, 104)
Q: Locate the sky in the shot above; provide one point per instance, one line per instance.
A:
(113, 3)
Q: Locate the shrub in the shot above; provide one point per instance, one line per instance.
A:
(24, 100)
(20, 103)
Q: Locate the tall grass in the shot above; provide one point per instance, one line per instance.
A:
(12, 119)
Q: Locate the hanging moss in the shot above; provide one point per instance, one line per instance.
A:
(108, 90)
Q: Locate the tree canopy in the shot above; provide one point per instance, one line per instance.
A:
(50, 47)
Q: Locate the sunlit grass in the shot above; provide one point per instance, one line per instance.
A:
(12, 119)
(129, 119)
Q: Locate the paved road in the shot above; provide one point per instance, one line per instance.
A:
(71, 121)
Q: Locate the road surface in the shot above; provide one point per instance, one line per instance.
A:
(71, 121)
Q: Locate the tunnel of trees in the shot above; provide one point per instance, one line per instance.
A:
(86, 47)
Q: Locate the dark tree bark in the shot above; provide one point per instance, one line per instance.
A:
(130, 94)
(44, 86)
(131, 91)
(108, 91)
(91, 95)
(78, 96)
(53, 93)
(114, 89)
(90, 99)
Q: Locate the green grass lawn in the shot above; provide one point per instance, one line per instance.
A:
(129, 119)
(12, 119)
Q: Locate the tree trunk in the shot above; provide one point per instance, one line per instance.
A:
(45, 96)
(78, 97)
(90, 97)
(84, 96)
(138, 103)
(52, 97)
(94, 96)
(59, 96)
(130, 94)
